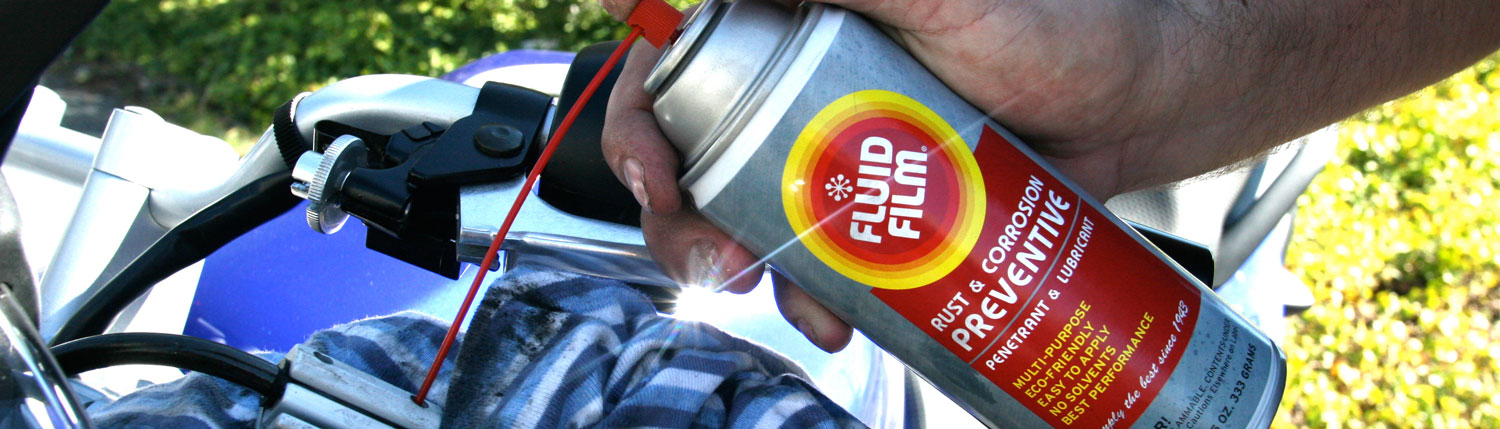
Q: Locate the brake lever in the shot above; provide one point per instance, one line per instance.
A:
(392, 121)
(402, 178)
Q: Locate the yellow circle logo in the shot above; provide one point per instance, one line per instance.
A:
(884, 191)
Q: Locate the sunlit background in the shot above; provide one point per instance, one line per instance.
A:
(1398, 237)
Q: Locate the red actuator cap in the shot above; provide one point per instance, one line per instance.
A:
(656, 19)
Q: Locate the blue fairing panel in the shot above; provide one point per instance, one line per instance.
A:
(275, 285)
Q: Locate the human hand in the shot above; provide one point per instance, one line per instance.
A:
(684, 244)
(687, 246)
(1117, 95)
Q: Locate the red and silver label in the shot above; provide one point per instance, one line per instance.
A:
(991, 256)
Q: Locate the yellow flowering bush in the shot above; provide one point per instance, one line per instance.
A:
(1400, 240)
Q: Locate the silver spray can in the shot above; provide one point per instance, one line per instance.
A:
(931, 229)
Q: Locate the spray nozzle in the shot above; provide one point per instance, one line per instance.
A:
(657, 20)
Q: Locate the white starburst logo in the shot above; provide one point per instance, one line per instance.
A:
(838, 188)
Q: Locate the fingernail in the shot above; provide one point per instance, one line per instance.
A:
(807, 330)
(635, 178)
(704, 264)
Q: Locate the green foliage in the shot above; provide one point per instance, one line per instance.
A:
(236, 60)
(1401, 241)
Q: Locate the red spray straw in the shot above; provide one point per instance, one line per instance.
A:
(658, 21)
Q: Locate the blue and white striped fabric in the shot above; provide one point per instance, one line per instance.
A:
(544, 349)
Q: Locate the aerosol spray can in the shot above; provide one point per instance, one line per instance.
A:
(822, 145)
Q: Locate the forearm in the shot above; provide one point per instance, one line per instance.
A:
(1238, 77)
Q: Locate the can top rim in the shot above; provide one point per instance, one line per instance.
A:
(691, 30)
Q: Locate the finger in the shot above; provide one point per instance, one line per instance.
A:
(926, 16)
(620, 9)
(819, 325)
(694, 252)
(633, 145)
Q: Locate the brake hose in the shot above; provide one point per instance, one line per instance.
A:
(179, 351)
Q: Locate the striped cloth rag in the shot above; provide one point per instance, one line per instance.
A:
(545, 349)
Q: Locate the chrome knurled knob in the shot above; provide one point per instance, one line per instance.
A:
(318, 177)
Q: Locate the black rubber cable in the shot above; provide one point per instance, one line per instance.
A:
(180, 351)
(200, 235)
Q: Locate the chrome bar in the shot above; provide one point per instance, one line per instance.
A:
(545, 236)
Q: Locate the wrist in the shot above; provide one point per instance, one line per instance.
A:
(1233, 79)
(1223, 82)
